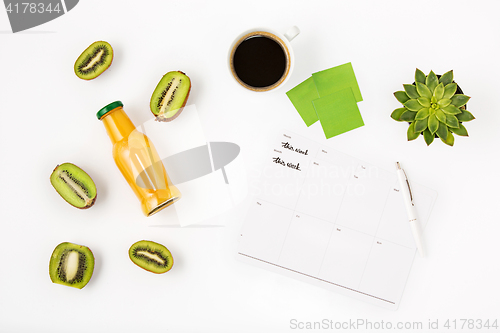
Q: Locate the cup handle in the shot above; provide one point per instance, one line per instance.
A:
(292, 33)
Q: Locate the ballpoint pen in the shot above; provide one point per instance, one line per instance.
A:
(404, 184)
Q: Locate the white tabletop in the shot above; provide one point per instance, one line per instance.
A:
(48, 117)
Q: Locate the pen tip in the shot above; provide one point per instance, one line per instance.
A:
(398, 166)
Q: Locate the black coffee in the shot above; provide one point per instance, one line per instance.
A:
(259, 61)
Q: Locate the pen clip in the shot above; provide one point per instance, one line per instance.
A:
(409, 187)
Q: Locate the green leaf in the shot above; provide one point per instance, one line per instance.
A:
(420, 125)
(444, 102)
(397, 113)
(449, 90)
(428, 137)
(419, 76)
(408, 116)
(441, 116)
(442, 131)
(413, 105)
(439, 91)
(411, 132)
(458, 100)
(460, 131)
(411, 91)
(431, 81)
(433, 123)
(451, 121)
(465, 116)
(423, 90)
(424, 101)
(422, 114)
(451, 109)
(450, 139)
(401, 96)
(446, 78)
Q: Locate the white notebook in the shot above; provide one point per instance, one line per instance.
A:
(332, 220)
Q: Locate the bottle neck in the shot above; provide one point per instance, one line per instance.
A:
(117, 124)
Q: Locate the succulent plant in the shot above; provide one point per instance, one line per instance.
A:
(433, 108)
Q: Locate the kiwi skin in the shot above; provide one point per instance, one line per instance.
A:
(150, 245)
(88, 205)
(162, 119)
(83, 56)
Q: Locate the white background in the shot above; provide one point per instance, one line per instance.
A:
(48, 117)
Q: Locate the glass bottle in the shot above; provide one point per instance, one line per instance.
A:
(138, 161)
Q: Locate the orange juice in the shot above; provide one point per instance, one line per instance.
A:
(138, 161)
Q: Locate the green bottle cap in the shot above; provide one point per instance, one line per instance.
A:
(107, 108)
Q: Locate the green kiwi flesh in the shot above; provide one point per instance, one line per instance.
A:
(71, 265)
(94, 60)
(170, 96)
(74, 185)
(151, 256)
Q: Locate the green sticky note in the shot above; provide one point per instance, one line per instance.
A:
(335, 79)
(338, 112)
(301, 97)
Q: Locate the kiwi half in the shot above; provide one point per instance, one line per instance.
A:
(151, 256)
(74, 185)
(94, 60)
(71, 265)
(170, 96)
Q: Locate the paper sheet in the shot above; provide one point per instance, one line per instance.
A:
(338, 112)
(335, 79)
(330, 96)
(332, 220)
(301, 97)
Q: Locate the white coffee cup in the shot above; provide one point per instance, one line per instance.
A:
(282, 40)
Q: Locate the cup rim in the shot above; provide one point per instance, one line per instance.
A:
(280, 39)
